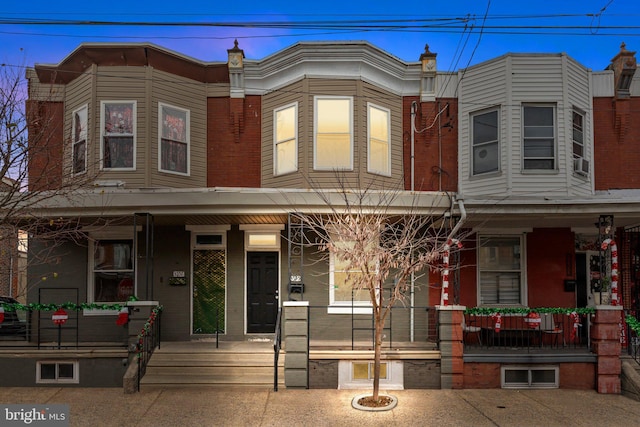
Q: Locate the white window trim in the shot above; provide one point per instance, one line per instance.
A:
(74, 380)
(523, 269)
(315, 131)
(554, 107)
(74, 142)
(264, 230)
(276, 160)
(472, 146)
(114, 233)
(371, 106)
(102, 132)
(344, 307)
(394, 380)
(161, 105)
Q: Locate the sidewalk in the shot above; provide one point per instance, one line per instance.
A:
(262, 407)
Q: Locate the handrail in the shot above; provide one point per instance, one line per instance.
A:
(148, 339)
(277, 345)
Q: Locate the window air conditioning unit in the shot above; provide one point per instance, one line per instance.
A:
(581, 166)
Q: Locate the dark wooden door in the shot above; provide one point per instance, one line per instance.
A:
(262, 291)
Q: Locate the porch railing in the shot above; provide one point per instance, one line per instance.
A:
(277, 345)
(147, 341)
(353, 327)
(545, 329)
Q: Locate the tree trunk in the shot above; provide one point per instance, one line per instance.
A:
(377, 347)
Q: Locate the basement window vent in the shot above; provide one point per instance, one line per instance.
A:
(57, 372)
(530, 376)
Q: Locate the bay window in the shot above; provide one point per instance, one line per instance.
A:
(485, 142)
(539, 141)
(379, 140)
(174, 139)
(285, 139)
(333, 133)
(118, 126)
(79, 143)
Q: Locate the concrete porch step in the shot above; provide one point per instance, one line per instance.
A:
(188, 364)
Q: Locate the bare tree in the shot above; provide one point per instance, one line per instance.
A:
(33, 170)
(383, 238)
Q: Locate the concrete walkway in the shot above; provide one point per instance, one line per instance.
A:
(263, 407)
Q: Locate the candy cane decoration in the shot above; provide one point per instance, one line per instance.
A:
(614, 268)
(497, 318)
(444, 299)
(575, 319)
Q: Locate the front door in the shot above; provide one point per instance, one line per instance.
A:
(208, 291)
(262, 291)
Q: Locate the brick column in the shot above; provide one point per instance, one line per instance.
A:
(296, 343)
(451, 346)
(606, 345)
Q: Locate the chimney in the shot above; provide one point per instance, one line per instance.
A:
(235, 65)
(624, 67)
(428, 78)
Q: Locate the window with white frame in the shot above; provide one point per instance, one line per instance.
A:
(341, 284)
(333, 133)
(578, 135)
(59, 371)
(173, 135)
(285, 139)
(111, 270)
(539, 142)
(500, 270)
(485, 142)
(379, 140)
(118, 134)
(79, 143)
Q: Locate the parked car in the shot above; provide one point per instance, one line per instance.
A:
(15, 321)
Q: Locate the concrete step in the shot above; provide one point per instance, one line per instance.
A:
(185, 367)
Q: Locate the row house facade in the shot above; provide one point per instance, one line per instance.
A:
(196, 169)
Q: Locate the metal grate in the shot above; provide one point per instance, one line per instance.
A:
(209, 283)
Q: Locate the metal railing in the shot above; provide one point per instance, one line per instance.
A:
(277, 345)
(633, 334)
(543, 331)
(354, 328)
(147, 341)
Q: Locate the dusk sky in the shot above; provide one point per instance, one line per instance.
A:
(461, 32)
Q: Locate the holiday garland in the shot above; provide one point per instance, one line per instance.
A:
(488, 311)
(8, 306)
(634, 324)
(146, 329)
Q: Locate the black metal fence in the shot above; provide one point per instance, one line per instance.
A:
(148, 340)
(548, 331)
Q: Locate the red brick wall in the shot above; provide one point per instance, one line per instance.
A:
(428, 172)
(233, 142)
(616, 148)
(579, 376)
(46, 138)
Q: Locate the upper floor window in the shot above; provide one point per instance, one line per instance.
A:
(333, 133)
(285, 131)
(174, 139)
(379, 141)
(539, 137)
(79, 143)
(500, 270)
(578, 135)
(485, 142)
(118, 123)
